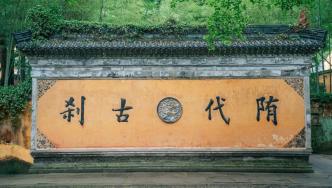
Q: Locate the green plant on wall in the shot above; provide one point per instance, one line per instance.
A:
(229, 18)
(13, 99)
(225, 19)
(43, 21)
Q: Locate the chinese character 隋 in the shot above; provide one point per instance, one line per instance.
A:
(270, 108)
(122, 117)
(220, 104)
(71, 110)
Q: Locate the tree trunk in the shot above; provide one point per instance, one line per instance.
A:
(23, 68)
(101, 11)
(2, 60)
(9, 68)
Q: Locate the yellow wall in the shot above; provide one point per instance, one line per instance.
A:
(145, 129)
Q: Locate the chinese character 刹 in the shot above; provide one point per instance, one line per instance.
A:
(70, 112)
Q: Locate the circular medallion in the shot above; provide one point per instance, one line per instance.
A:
(169, 110)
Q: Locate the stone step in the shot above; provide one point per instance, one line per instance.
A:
(191, 161)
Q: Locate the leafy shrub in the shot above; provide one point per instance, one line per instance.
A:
(13, 99)
(43, 21)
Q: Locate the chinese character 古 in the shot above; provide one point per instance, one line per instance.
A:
(123, 117)
(270, 107)
(220, 104)
(69, 113)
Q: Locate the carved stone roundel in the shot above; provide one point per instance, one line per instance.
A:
(169, 110)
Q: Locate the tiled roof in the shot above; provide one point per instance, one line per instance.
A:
(258, 40)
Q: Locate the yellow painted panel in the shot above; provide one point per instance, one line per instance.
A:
(145, 129)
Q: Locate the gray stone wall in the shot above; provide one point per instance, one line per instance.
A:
(198, 67)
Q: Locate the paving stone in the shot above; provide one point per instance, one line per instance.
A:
(322, 177)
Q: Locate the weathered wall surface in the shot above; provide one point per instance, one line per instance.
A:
(17, 131)
(199, 67)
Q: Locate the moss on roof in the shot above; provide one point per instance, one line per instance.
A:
(74, 38)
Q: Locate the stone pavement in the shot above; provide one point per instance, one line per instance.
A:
(322, 177)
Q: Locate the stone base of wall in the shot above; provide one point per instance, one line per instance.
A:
(255, 161)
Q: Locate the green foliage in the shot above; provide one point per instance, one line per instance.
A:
(87, 10)
(127, 31)
(13, 99)
(11, 17)
(13, 13)
(227, 21)
(48, 27)
(321, 97)
(184, 12)
(151, 5)
(43, 21)
(284, 4)
(229, 17)
(322, 134)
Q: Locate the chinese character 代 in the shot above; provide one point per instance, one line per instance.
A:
(220, 102)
